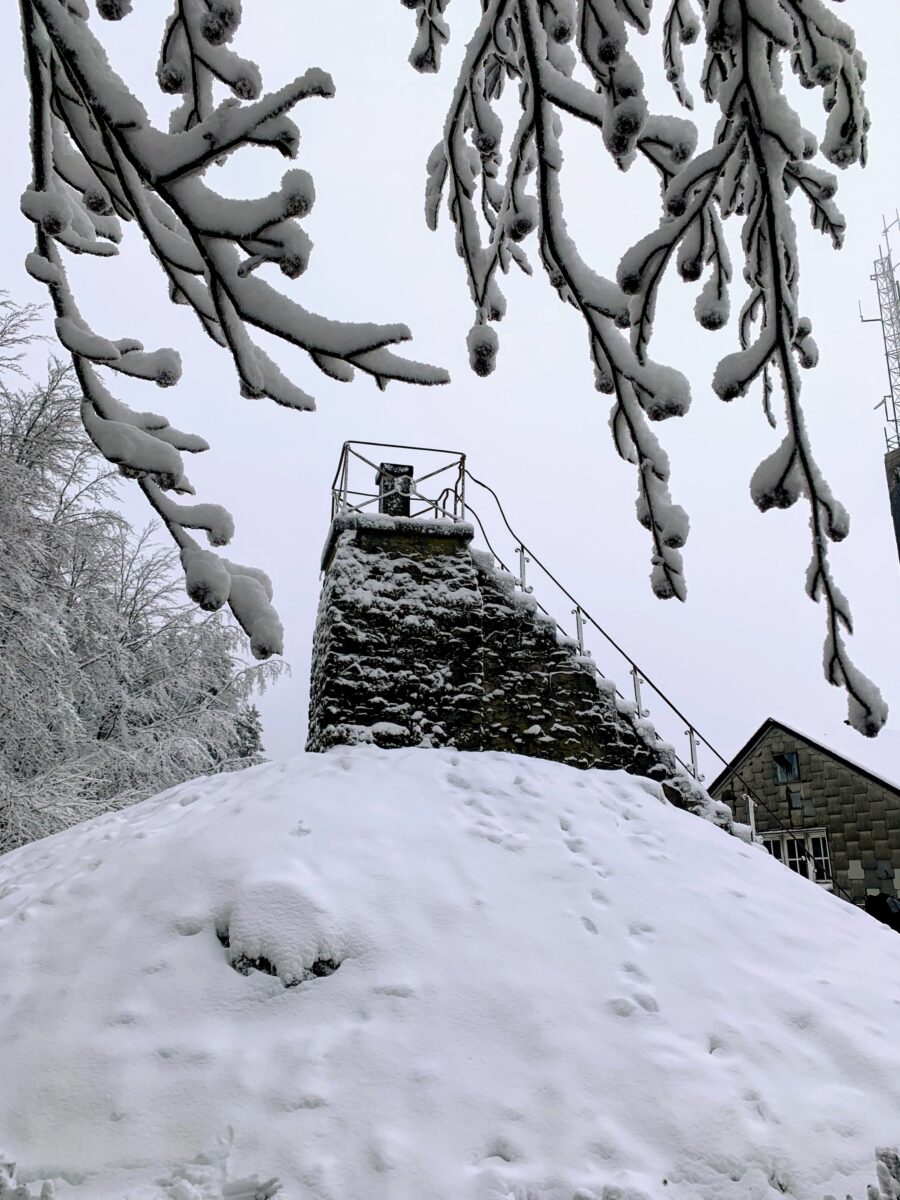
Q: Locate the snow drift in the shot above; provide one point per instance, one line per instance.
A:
(423, 973)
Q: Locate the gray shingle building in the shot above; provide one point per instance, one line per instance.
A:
(817, 812)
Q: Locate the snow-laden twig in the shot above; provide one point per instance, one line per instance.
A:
(98, 161)
(759, 158)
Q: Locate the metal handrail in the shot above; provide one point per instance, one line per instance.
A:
(526, 554)
(341, 490)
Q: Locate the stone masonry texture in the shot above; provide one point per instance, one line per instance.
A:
(892, 470)
(421, 641)
(859, 813)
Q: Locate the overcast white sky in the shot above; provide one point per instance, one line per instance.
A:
(747, 644)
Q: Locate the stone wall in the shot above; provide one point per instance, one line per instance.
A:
(397, 647)
(892, 471)
(421, 641)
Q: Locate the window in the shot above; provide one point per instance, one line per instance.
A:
(795, 854)
(787, 767)
(804, 851)
(818, 848)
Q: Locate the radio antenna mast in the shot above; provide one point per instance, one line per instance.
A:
(885, 280)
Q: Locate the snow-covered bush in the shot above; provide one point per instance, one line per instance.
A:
(571, 59)
(111, 686)
(98, 161)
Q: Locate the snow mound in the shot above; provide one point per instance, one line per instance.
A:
(423, 973)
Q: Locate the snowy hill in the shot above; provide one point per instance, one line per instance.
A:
(550, 984)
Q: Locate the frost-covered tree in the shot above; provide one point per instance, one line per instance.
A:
(571, 59)
(112, 686)
(97, 162)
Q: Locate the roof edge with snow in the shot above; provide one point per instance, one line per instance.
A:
(771, 723)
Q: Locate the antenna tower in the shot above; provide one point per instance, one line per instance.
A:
(885, 280)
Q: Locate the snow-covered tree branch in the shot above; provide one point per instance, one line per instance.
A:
(98, 162)
(570, 59)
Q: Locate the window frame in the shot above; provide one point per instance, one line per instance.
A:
(783, 776)
(786, 840)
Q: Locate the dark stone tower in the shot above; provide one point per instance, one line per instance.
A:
(421, 641)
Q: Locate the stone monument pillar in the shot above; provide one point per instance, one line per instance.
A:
(422, 641)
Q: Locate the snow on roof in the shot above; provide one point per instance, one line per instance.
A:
(771, 723)
(549, 983)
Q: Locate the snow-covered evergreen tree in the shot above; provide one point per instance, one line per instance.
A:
(111, 685)
(571, 59)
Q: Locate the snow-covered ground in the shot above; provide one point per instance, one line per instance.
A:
(552, 985)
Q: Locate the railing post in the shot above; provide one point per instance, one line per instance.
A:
(523, 559)
(636, 680)
(695, 770)
(345, 480)
(579, 629)
(751, 814)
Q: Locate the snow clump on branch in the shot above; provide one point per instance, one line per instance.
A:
(98, 161)
(760, 157)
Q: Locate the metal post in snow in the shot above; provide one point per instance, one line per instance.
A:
(579, 630)
(751, 814)
(695, 770)
(636, 680)
(523, 559)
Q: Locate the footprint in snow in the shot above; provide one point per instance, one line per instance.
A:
(524, 786)
(640, 929)
(621, 1006)
(503, 1148)
(188, 926)
(647, 1002)
(499, 837)
(478, 805)
(624, 1006)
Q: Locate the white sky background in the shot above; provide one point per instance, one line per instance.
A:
(747, 644)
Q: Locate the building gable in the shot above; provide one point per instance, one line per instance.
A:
(804, 792)
(771, 731)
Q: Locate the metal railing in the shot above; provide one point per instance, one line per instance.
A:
(639, 678)
(453, 504)
(583, 618)
(348, 498)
